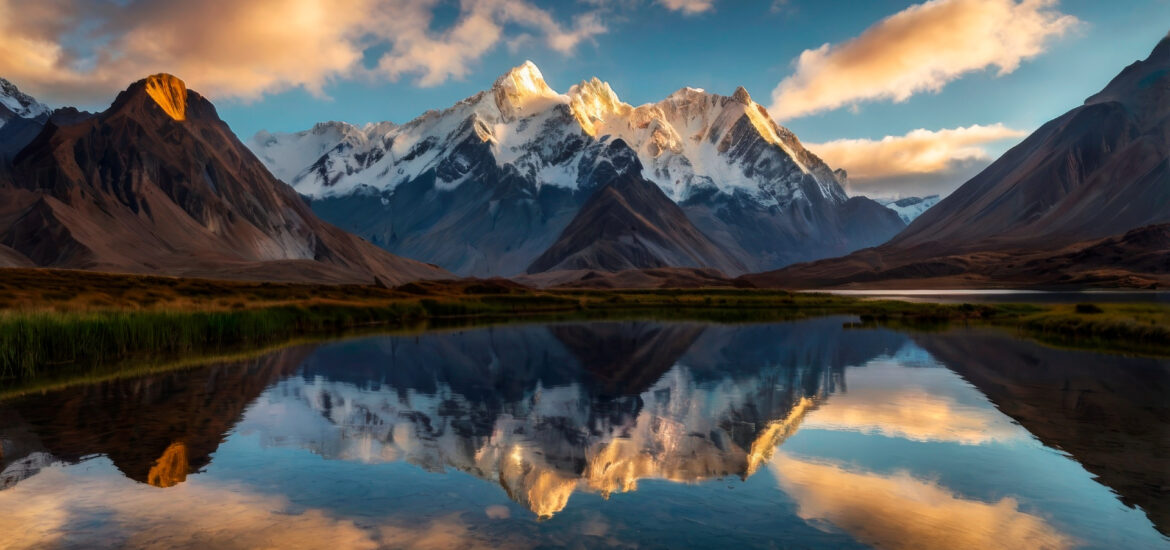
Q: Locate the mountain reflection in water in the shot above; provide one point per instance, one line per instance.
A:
(861, 435)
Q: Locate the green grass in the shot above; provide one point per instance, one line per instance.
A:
(195, 318)
(30, 342)
(1129, 328)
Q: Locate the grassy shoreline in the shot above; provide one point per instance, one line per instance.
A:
(56, 320)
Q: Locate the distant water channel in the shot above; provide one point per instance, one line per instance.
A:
(1011, 296)
(615, 434)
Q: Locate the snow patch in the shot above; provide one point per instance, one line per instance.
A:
(909, 208)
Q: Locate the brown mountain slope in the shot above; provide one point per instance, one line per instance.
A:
(1137, 259)
(12, 258)
(630, 224)
(658, 277)
(1098, 171)
(159, 184)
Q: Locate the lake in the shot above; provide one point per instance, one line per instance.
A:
(807, 434)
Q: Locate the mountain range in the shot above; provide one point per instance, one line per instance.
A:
(574, 189)
(511, 180)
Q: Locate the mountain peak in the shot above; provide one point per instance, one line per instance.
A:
(1162, 50)
(1143, 87)
(592, 101)
(170, 93)
(687, 92)
(516, 90)
(524, 79)
(741, 95)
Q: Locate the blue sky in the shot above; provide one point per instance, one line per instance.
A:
(746, 44)
(279, 76)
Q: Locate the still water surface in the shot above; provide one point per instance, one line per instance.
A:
(1004, 295)
(631, 434)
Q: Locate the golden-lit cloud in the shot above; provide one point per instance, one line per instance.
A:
(940, 157)
(44, 510)
(919, 404)
(82, 51)
(900, 511)
(913, 414)
(688, 7)
(920, 49)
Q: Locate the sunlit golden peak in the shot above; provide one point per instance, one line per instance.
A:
(171, 468)
(170, 93)
(592, 102)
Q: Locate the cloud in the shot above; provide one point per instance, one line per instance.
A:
(925, 160)
(782, 6)
(900, 511)
(688, 7)
(919, 49)
(200, 514)
(439, 57)
(911, 403)
(83, 51)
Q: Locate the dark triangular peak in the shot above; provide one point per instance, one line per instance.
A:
(629, 223)
(164, 96)
(158, 183)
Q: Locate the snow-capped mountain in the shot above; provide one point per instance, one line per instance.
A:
(525, 158)
(910, 207)
(17, 104)
(21, 119)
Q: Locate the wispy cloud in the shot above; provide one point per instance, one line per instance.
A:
(83, 51)
(688, 7)
(923, 160)
(920, 49)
